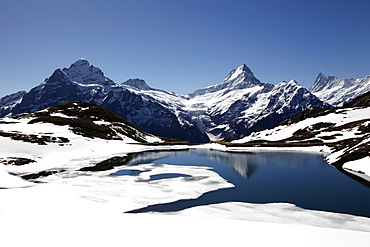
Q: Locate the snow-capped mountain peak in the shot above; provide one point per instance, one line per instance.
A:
(240, 78)
(337, 91)
(82, 62)
(241, 73)
(137, 84)
(83, 72)
(293, 82)
(232, 108)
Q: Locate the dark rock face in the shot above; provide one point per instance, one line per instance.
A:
(151, 116)
(9, 101)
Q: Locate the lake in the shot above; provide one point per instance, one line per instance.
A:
(303, 179)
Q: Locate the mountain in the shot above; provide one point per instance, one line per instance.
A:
(345, 131)
(84, 82)
(9, 101)
(241, 104)
(46, 142)
(137, 84)
(81, 118)
(337, 91)
(235, 107)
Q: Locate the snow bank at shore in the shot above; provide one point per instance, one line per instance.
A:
(56, 214)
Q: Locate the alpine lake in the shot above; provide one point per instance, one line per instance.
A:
(303, 179)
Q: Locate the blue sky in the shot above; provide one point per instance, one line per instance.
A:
(182, 46)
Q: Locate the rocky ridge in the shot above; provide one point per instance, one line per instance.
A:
(233, 108)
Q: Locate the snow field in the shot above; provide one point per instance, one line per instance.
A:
(86, 208)
(56, 214)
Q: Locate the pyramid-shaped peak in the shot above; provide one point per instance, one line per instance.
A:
(321, 75)
(242, 73)
(245, 68)
(82, 62)
(320, 83)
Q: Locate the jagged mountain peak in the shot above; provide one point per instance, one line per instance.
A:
(83, 72)
(320, 75)
(244, 68)
(241, 73)
(232, 108)
(137, 83)
(337, 91)
(239, 78)
(82, 62)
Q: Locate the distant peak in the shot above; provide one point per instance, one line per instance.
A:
(244, 68)
(82, 62)
(242, 74)
(137, 83)
(83, 72)
(320, 75)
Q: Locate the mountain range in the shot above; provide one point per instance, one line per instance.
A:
(233, 108)
(337, 91)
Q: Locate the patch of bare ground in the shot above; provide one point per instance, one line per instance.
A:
(16, 161)
(33, 138)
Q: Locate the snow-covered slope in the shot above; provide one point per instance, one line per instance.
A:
(337, 91)
(50, 138)
(83, 72)
(346, 131)
(232, 108)
(241, 104)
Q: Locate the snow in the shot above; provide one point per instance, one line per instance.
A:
(10, 181)
(82, 208)
(127, 193)
(59, 114)
(239, 99)
(78, 152)
(359, 167)
(324, 150)
(340, 117)
(235, 74)
(87, 210)
(282, 213)
(40, 215)
(337, 91)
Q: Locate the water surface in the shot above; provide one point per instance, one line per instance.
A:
(305, 180)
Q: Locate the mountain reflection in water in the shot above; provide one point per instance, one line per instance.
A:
(305, 180)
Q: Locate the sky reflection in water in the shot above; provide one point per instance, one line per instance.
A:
(305, 180)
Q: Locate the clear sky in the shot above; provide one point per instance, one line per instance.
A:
(182, 46)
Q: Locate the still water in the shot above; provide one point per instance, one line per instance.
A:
(305, 180)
